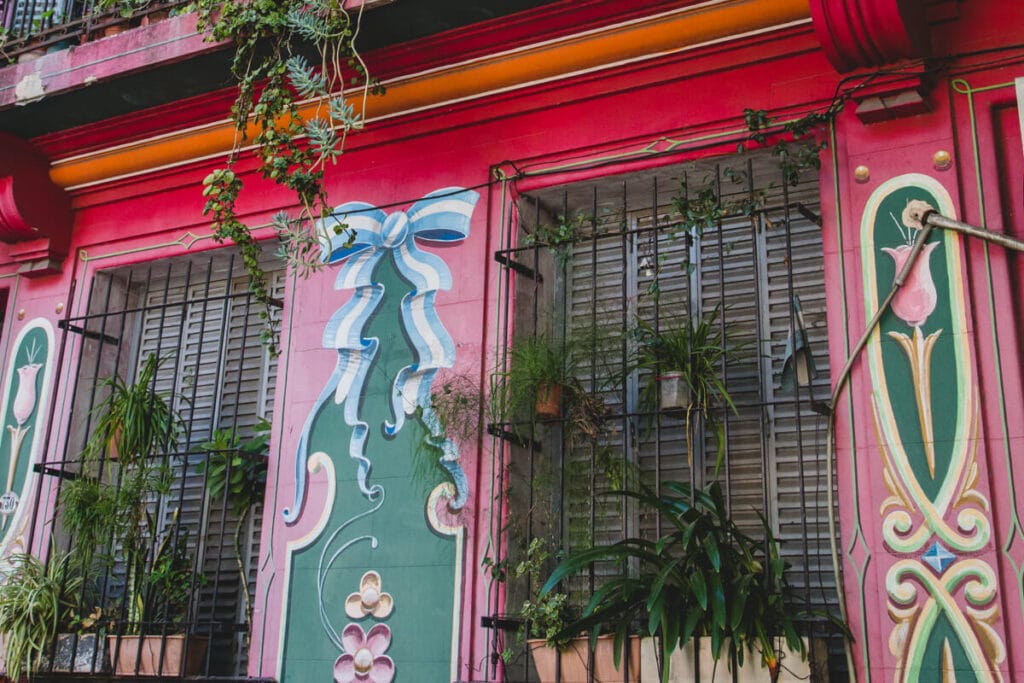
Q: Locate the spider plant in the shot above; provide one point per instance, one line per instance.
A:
(691, 351)
(133, 421)
(35, 598)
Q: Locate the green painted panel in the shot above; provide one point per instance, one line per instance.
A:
(889, 232)
(21, 419)
(931, 664)
(416, 565)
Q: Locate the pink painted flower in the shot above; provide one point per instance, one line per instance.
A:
(916, 299)
(364, 658)
(25, 399)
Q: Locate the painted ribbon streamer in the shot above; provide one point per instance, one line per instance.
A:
(442, 216)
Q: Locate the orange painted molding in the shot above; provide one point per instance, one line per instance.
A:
(664, 33)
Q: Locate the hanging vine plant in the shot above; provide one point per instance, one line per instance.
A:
(296, 115)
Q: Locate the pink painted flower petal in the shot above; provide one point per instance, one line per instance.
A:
(916, 299)
(353, 638)
(344, 669)
(378, 639)
(383, 670)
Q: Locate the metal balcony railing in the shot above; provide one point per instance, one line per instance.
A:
(37, 26)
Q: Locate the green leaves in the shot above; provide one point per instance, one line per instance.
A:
(35, 599)
(324, 139)
(133, 421)
(704, 577)
(292, 146)
(236, 467)
(304, 78)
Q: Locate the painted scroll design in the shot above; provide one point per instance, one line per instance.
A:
(943, 605)
(442, 216)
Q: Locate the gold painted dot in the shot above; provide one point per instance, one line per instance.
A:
(21, 314)
(942, 160)
(861, 174)
(60, 307)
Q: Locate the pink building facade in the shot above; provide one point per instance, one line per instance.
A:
(362, 564)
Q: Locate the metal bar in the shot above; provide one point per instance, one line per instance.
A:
(108, 313)
(797, 404)
(937, 220)
(517, 267)
(656, 239)
(720, 229)
(106, 338)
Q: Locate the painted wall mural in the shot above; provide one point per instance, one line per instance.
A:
(26, 387)
(941, 588)
(385, 518)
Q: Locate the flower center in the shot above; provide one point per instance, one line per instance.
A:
(362, 660)
(370, 597)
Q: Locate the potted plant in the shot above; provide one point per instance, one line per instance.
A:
(685, 361)
(154, 640)
(81, 643)
(35, 598)
(236, 469)
(704, 577)
(540, 369)
(542, 380)
(558, 653)
(108, 510)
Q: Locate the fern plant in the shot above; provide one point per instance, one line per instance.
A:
(274, 78)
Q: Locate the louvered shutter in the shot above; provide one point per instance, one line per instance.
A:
(775, 453)
(207, 329)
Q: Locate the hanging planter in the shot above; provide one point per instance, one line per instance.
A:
(674, 391)
(549, 401)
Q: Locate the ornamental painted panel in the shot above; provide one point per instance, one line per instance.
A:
(26, 387)
(942, 590)
(373, 585)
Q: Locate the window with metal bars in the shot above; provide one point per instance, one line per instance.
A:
(597, 260)
(196, 315)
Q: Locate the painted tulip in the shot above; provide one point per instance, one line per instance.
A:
(916, 299)
(364, 658)
(25, 399)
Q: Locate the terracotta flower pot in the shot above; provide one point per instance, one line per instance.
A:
(172, 648)
(575, 658)
(549, 401)
(154, 17)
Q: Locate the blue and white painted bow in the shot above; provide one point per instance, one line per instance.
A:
(441, 216)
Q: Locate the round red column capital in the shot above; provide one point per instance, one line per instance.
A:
(867, 33)
(31, 206)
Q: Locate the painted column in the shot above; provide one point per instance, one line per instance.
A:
(374, 525)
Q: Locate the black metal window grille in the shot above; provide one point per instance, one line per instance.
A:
(630, 257)
(27, 25)
(197, 316)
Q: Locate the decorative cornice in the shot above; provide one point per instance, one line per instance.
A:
(35, 214)
(869, 33)
(661, 34)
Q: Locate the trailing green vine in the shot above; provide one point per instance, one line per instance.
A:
(275, 83)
